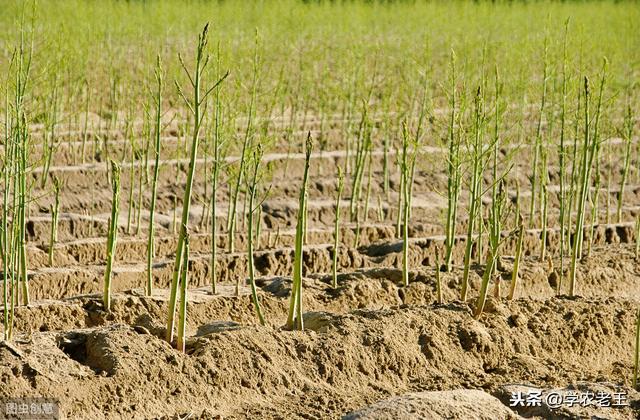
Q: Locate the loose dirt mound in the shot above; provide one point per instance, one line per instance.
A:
(341, 363)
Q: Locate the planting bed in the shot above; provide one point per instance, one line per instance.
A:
(366, 340)
(384, 163)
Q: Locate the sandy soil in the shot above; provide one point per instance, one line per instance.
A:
(372, 348)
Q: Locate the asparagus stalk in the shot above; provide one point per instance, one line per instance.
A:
(112, 235)
(294, 320)
(159, 76)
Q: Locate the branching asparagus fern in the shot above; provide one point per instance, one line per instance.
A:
(195, 107)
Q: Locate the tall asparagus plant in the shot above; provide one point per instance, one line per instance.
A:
(453, 171)
(195, 107)
(475, 194)
(498, 203)
(112, 235)
(20, 134)
(587, 158)
(408, 160)
(294, 320)
(495, 240)
(587, 152)
(55, 212)
(157, 98)
(336, 233)
(252, 184)
(16, 171)
(23, 153)
(363, 149)
(565, 203)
